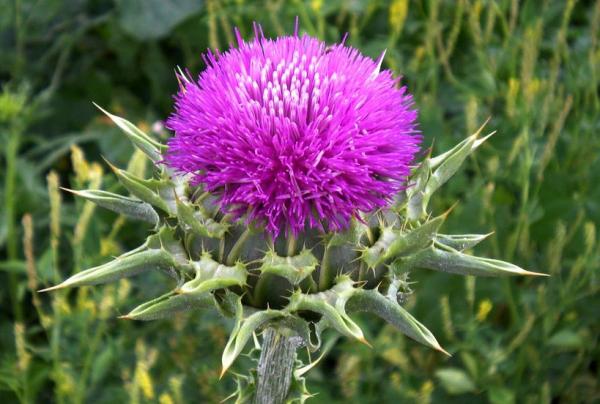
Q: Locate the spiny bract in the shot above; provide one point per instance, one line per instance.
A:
(312, 279)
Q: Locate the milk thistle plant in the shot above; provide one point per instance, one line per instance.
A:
(289, 198)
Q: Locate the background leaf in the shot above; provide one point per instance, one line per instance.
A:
(455, 381)
(153, 19)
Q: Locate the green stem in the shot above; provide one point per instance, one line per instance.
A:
(309, 284)
(260, 290)
(89, 361)
(325, 271)
(10, 197)
(221, 249)
(55, 344)
(235, 251)
(510, 299)
(370, 236)
(19, 42)
(362, 272)
(291, 245)
(59, 296)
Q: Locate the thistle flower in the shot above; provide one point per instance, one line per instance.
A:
(294, 133)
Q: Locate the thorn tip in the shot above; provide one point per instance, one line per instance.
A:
(364, 341)
(530, 273)
(51, 288)
(442, 350)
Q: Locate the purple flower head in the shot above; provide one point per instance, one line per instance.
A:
(294, 133)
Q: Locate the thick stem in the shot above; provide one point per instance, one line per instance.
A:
(275, 367)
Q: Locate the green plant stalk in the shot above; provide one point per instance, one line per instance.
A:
(260, 290)
(19, 41)
(56, 331)
(55, 344)
(12, 242)
(521, 224)
(325, 271)
(291, 245)
(89, 361)
(362, 272)
(237, 247)
(309, 284)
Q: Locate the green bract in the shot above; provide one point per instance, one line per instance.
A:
(303, 285)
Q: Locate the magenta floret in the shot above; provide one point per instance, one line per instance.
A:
(294, 133)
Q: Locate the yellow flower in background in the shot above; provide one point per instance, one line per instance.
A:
(485, 306)
(398, 12)
(316, 5)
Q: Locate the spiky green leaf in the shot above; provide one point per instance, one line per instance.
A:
(415, 193)
(443, 258)
(130, 207)
(126, 265)
(352, 235)
(447, 164)
(211, 275)
(331, 305)
(141, 140)
(373, 302)
(394, 242)
(168, 304)
(147, 190)
(375, 254)
(461, 242)
(198, 221)
(295, 269)
(301, 328)
(243, 330)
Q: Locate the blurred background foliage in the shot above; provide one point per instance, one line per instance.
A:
(532, 66)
